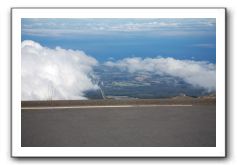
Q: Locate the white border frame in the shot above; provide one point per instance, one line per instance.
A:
(218, 151)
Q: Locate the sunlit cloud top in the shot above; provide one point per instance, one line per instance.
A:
(72, 27)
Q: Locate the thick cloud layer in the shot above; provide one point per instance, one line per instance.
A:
(55, 73)
(197, 73)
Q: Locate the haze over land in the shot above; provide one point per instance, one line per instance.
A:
(116, 58)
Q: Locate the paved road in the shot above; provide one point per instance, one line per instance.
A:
(158, 126)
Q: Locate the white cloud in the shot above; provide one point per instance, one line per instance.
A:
(60, 27)
(55, 73)
(59, 30)
(197, 73)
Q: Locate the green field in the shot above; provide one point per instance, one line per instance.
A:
(128, 84)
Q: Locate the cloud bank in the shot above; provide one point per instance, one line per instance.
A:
(162, 26)
(55, 73)
(58, 73)
(197, 73)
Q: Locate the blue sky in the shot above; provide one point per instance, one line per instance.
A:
(115, 39)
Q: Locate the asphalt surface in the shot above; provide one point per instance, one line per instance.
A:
(157, 126)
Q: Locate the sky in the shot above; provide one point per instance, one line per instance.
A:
(59, 55)
(106, 39)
